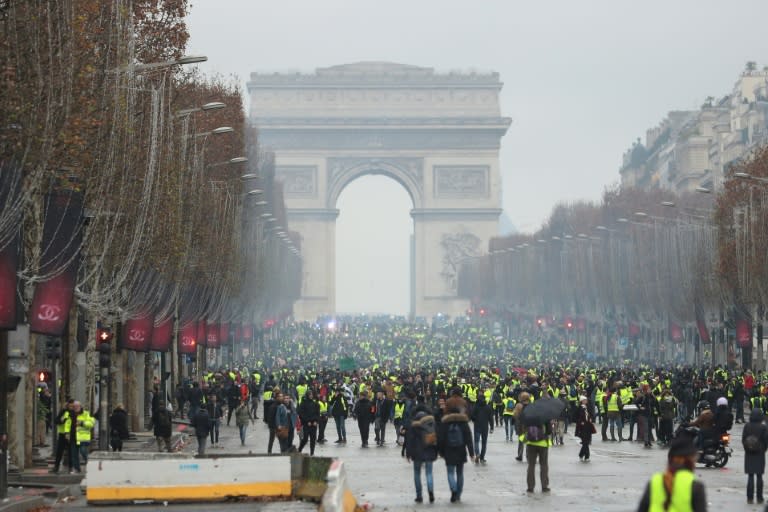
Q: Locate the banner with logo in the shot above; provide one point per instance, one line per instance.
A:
(188, 338)
(60, 257)
(8, 266)
(212, 336)
(162, 336)
(202, 333)
(137, 333)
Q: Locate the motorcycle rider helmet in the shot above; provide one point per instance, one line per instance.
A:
(703, 405)
(722, 401)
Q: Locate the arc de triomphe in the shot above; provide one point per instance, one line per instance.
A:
(438, 135)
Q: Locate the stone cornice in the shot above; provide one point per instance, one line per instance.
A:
(319, 213)
(377, 122)
(464, 213)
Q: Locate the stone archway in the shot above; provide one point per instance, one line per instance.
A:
(437, 135)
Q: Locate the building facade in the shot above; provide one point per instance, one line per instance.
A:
(693, 149)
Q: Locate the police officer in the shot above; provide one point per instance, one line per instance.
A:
(677, 487)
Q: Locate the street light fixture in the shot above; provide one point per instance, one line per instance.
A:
(249, 176)
(255, 192)
(601, 228)
(260, 203)
(623, 220)
(213, 105)
(641, 214)
(669, 204)
(703, 190)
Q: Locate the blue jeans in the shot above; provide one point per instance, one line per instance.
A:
(341, 430)
(215, 430)
(481, 441)
(417, 476)
(509, 426)
(243, 429)
(455, 477)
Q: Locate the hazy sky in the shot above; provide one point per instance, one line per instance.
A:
(582, 79)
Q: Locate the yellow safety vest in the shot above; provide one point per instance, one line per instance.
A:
(323, 407)
(399, 411)
(509, 411)
(84, 431)
(682, 492)
(268, 394)
(613, 403)
(301, 390)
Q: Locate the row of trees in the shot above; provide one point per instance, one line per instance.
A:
(129, 184)
(642, 257)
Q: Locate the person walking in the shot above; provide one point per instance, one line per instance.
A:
(365, 416)
(677, 487)
(754, 438)
(284, 424)
(162, 426)
(215, 414)
(118, 428)
(82, 423)
(524, 398)
(383, 414)
(537, 440)
(421, 449)
(339, 408)
(242, 418)
(309, 414)
(270, 417)
(454, 441)
(482, 418)
(201, 422)
(584, 428)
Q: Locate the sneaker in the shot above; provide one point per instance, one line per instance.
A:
(545, 489)
(454, 498)
(519, 459)
(431, 497)
(529, 491)
(338, 441)
(418, 499)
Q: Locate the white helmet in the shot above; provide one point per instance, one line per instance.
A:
(722, 401)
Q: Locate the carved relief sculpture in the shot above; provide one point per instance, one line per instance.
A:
(298, 180)
(457, 247)
(469, 181)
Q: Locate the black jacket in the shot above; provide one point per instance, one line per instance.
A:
(161, 423)
(118, 424)
(415, 447)
(269, 416)
(754, 462)
(202, 422)
(482, 416)
(363, 410)
(455, 455)
(309, 411)
(339, 406)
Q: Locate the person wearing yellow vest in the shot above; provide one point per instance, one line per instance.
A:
(80, 430)
(63, 426)
(613, 406)
(509, 415)
(676, 489)
(323, 403)
(537, 439)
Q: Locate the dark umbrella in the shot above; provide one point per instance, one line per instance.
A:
(542, 411)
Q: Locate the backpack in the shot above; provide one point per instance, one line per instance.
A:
(455, 438)
(752, 444)
(510, 405)
(535, 433)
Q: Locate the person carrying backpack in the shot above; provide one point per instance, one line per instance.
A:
(421, 448)
(754, 438)
(162, 426)
(537, 439)
(454, 440)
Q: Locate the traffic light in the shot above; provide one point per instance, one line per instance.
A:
(104, 335)
(105, 353)
(52, 347)
(44, 377)
(569, 325)
(482, 311)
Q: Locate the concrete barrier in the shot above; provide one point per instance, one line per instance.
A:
(173, 477)
(337, 496)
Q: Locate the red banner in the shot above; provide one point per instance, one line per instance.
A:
(187, 341)
(8, 261)
(239, 333)
(212, 336)
(634, 330)
(202, 333)
(675, 332)
(743, 331)
(137, 333)
(60, 247)
(51, 303)
(247, 332)
(162, 336)
(701, 325)
(223, 333)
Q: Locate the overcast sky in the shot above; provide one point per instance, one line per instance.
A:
(582, 79)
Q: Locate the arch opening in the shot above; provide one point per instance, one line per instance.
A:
(374, 246)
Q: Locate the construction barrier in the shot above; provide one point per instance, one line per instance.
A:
(128, 477)
(337, 496)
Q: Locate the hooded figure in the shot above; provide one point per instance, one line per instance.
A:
(754, 438)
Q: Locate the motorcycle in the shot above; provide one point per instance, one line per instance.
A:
(715, 453)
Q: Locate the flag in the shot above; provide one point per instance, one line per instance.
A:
(701, 324)
(137, 332)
